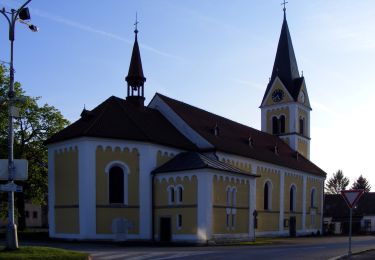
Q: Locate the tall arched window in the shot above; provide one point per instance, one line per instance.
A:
(292, 198)
(116, 185)
(267, 196)
(313, 198)
(234, 197)
(229, 192)
(171, 197)
(301, 125)
(282, 124)
(275, 125)
(179, 194)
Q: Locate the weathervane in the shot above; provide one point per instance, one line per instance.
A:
(284, 4)
(136, 23)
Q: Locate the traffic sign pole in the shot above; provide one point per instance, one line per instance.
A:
(350, 233)
(351, 198)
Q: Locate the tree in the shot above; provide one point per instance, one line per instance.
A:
(361, 184)
(337, 183)
(35, 124)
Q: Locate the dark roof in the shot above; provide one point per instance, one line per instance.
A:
(116, 118)
(285, 65)
(194, 161)
(234, 138)
(336, 207)
(135, 75)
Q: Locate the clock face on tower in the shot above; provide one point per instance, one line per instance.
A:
(277, 95)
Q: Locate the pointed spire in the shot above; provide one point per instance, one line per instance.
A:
(285, 65)
(135, 77)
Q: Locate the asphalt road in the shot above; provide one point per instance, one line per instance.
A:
(296, 248)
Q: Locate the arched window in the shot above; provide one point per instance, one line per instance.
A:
(292, 198)
(275, 125)
(282, 124)
(171, 195)
(229, 196)
(301, 125)
(313, 198)
(234, 197)
(116, 185)
(267, 196)
(179, 194)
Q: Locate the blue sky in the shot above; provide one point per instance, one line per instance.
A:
(214, 54)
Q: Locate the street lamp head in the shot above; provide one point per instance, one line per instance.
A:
(24, 14)
(33, 28)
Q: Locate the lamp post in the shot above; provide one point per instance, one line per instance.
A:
(21, 14)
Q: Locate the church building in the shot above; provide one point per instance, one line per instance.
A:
(169, 171)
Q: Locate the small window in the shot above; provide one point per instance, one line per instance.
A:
(27, 214)
(35, 214)
(233, 221)
(228, 220)
(116, 185)
(292, 199)
(275, 125)
(301, 126)
(282, 124)
(179, 221)
(179, 192)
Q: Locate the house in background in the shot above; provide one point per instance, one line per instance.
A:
(174, 172)
(336, 214)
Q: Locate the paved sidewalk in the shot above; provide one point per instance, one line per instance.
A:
(365, 255)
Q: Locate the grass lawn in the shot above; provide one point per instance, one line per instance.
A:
(36, 252)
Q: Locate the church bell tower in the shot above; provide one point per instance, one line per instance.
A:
(285, 107)
(135, 77)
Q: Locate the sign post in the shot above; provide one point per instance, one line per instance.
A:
(351, 198)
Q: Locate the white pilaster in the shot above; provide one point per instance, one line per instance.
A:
(293, 118)
(252, 206)
(204, 206)
(51, 192)
(281, 216)
(304, 203)
(321, 206)
(87, 189)
(147, 163)
(263, 112)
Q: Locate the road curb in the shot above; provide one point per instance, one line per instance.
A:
(356, 253)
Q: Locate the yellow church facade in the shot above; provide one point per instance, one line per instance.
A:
(169, 171)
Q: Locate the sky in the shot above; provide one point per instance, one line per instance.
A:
(213, 54)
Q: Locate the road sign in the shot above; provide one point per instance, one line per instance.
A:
(351, 197)
(10, 187)
(20, 173)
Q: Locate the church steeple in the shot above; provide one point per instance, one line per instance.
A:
(135, 77)
(285, 106)
(285, 65)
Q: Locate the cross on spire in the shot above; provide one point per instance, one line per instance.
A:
(136, 23)
(284, 4)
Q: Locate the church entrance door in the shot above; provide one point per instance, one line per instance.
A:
(292, 227)
(165, 229)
